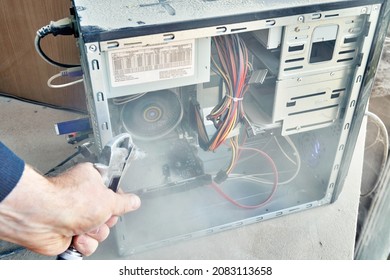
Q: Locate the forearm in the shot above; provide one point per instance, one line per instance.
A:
(43, 214)
(28, 214)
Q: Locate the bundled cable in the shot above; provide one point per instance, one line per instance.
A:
(233, 67)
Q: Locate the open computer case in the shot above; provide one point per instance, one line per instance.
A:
(241, 111)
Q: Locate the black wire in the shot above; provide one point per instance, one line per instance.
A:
(56, 107)
(48, 59)
(48, 173)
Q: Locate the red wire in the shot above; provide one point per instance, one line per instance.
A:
(233, 58)
(275, 185)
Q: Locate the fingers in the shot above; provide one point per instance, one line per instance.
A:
(85, 244)
(100, 234)
(112, 221)
(125, 203)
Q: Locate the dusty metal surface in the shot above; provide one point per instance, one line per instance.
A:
(153, 12)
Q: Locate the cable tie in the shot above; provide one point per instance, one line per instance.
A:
(235, 99)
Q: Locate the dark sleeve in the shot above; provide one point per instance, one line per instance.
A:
(11, 169)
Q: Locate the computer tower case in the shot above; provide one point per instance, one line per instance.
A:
(241, 111)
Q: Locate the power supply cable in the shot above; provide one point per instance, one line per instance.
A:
(255, 177)
(233, 67)
(216, 186)
(222, 176)
(63, 26)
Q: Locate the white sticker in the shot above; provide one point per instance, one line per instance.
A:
(152, 63)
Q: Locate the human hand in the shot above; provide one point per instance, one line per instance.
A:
(44, 214)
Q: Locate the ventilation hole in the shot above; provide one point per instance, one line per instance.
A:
(95, 65)
(309, 95)
(270, 22)
(238, 29)
(291, 104)
(350, 40)
(331, 15)
(293, 68)
(294, 60)
(335, 95)
(348, 51)
(105, 126)
(100, 96)
(313, 110)
(112, 45)
(345, 59)
(169, 37)
(316, 16)
(221, 29)
(133, 44)
(296, 48)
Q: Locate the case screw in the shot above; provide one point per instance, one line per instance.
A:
(332, 73)
(364, 10)
(301, 18)
(92, 48)
(299, 80)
